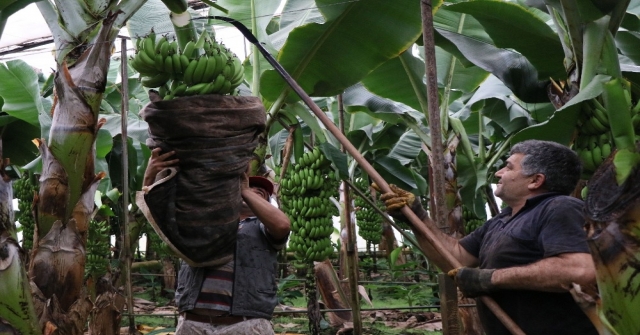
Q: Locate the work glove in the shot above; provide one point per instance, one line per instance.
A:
(473, 282)
(398, 198)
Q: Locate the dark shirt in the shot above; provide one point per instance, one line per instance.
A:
(547, 225)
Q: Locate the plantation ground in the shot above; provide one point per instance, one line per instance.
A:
(153, 307)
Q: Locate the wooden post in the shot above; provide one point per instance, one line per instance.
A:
(448, 305)
(126, 247)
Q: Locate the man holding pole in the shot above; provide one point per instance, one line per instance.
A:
(527, 257)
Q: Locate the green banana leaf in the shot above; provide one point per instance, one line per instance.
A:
(358, 99)
(521, 28)
(559, 128)
(241, 10)
(24, 108)
(512, 68)
(327, 58)
(153, 14)
(294, 14)
(20, 91)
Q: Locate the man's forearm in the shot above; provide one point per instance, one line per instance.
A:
(276, 222)
(552, 274)
(449, 243)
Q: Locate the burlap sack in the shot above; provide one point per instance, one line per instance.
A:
(195, 208)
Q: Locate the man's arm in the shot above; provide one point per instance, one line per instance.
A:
(551, 274)
(273, 219)
(450, 244)
(399, 198)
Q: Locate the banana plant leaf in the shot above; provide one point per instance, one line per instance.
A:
(295, 13)
(555, 129)
(517, 73)
(344, 44)
(241, 10)
(25, 111)
(521, 28)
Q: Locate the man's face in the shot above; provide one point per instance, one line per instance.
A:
(261, 192)
(513, 184)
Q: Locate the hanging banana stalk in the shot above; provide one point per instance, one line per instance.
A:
(606, 143)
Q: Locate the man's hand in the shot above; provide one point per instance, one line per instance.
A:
(473, 282)
(157, 162)
(398, 198)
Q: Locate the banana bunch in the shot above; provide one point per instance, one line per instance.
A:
(593, 143)
(201, 67)
(24, 190)
(593, 150)
(368, 220)
(594, 119)
(304, 196)
(97, 263)
(471, 221)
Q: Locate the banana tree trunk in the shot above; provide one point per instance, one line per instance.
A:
(67, 186)
(469, 317)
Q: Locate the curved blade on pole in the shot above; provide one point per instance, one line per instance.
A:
(384, 186)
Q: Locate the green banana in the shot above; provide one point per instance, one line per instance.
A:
(195, 89)
(159, 62)
(146, 60)
(189, 49)
(217, 86)
(184, 62)
(207, 89)
(175, 61)
(189, 72)
(198, 73)
(155, 81)
(209, 75)
(179, 90)
(168, 64)
(221, 61)
(149, 45)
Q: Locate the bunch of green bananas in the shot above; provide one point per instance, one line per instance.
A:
(593, 150)
(593, 142)
(97, 263)
(471, 221)
(24, 190)
(201, 67)
(368, 220)
(304, 197)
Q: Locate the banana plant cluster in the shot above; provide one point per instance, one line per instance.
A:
(304, 196)
(98, 249)
(24, 190)
(367, 218)
(471, 221)
(200, 67)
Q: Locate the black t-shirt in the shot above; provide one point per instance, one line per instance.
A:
(548, 225)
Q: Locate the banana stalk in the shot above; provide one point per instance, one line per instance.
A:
(182, 24)
(617, 100)
(613, 225)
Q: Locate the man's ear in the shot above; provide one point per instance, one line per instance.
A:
(537, 181)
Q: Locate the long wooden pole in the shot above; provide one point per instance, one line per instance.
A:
(126, 247)
(351, 247)
(364, 164)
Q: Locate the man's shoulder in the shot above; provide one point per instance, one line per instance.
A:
(562, 201)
